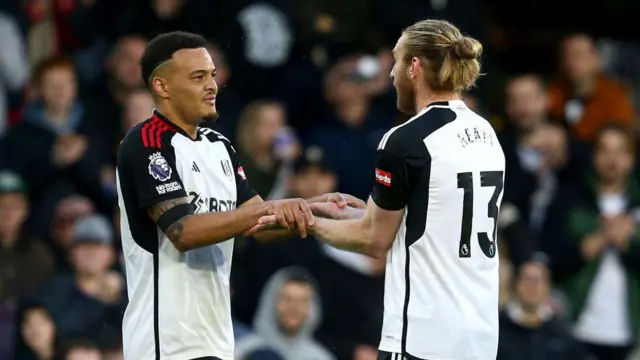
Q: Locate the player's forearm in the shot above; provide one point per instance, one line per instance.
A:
(195, 231)
(351, 235)
(350, 213)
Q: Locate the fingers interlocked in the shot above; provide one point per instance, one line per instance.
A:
(294, 214)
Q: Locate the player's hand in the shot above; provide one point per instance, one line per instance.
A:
(343, 200)
(291, 214)
(337, 206)
(329, 210)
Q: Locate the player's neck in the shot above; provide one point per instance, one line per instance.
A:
(174, 117)
(426, 97)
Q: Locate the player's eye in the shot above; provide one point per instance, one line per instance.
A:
(199, 77)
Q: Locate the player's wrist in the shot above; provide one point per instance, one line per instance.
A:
(317, 226)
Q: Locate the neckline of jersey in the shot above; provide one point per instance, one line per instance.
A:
(448, 103)
(159, 116)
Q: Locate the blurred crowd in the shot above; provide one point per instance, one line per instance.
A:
(305, 94)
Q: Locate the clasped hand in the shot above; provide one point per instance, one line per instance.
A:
(299, 215)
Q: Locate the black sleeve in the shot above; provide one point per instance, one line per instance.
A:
(391, 188)
(152, 171)
(244, 190)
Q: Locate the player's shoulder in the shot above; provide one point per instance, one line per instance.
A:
(151, 134)
(215, 136)
(411, 134)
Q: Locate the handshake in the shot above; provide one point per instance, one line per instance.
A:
(299, 214)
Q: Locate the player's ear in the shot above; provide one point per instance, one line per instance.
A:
(416, 63)
(160, 87)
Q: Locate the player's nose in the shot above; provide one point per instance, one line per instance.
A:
(212, 86)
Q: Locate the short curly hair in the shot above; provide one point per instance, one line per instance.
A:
(162, 48)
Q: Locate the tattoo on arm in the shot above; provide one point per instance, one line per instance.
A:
(156, 210)
(175, 231)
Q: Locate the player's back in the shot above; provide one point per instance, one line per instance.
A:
(441, 294)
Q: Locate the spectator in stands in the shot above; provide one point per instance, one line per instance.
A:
(528, 327)
(138, 107)
(25, 262)
(287, 316)
(352, 130)
(14, 67)
(66, 212)
(267, 147)
(108, 99)
(352, 284)
(154, 17)
(538, 154)
(584, 97)
(37, 335)
(255, 262)
(51, 148)
(229, 100)
(79, 350)
(88, 304)
(593, 240)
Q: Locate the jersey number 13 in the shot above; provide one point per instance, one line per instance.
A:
(465, 182)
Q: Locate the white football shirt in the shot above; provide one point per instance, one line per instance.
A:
(445, 168)
(179, 303)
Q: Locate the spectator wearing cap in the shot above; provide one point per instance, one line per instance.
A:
(66, 212)
(89, 303)
(529, 329)
(25, 262)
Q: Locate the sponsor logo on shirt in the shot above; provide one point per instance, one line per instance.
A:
(168, 187)
(383, 177)
(241, 173)
(210, 204)
(159, 168)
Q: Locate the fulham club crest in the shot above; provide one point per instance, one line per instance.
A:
(226, 167)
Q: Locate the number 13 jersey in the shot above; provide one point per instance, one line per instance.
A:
(445, 168)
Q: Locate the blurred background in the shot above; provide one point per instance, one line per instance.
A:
(305, 94)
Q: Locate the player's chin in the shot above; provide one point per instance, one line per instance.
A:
(404, 107)
(210, 114)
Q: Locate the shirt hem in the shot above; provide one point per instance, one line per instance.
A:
(198, 354)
